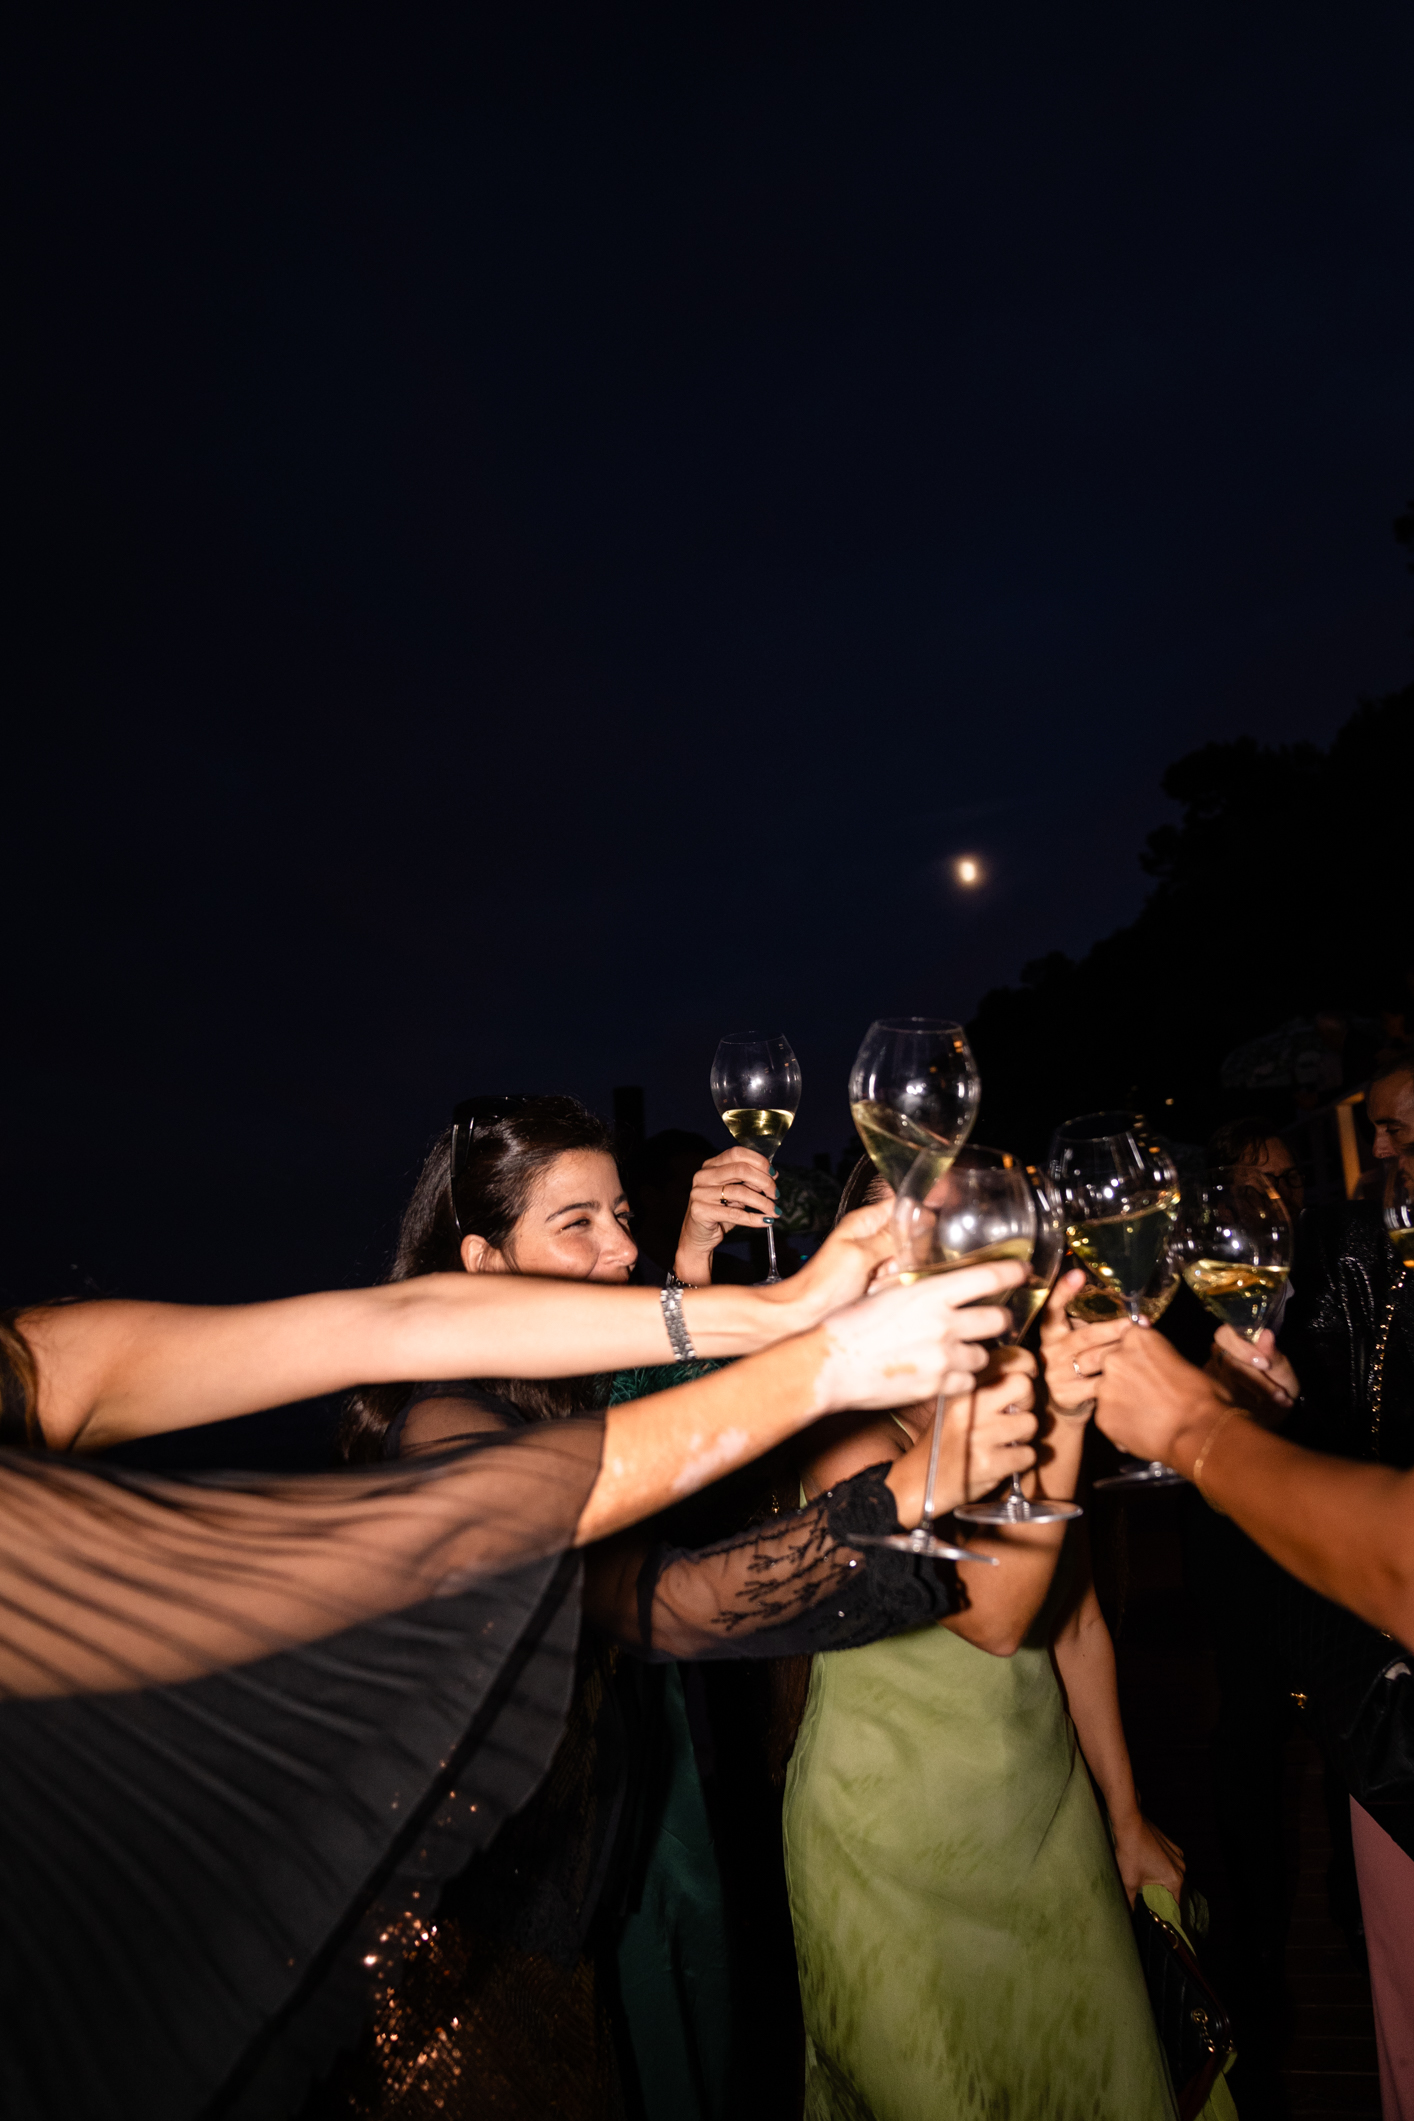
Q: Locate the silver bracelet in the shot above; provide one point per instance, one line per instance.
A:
(678, 1337)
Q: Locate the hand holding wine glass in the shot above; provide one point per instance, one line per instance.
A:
(756, 1088)
(1047, 1251)
(1119, 1195)
(1236, 1238)
(733, 1191)
(982, 1210)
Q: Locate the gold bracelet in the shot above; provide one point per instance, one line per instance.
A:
(1196, 1476)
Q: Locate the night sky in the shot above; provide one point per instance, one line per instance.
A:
(533, 546)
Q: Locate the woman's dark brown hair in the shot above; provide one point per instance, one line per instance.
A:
(503, 1162)
(19, 1386)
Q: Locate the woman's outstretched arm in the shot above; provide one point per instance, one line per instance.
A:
(659, 1449)
(1345, 1529)
(110, 1371)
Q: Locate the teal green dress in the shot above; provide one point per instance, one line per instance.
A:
(672, 1969)
(963, 1940)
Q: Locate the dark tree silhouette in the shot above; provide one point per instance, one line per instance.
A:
(1284, 891)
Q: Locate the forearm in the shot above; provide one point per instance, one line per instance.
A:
(1345, 1529)
(657, 1450)
(111, 1371)
(1085, 1659)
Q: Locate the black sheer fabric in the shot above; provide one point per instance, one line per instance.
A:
(248, 1728)
(513, 1968)
(789, 1587)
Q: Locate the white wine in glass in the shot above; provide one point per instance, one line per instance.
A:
(1236, 1247)
(981, 1209)
(1043, 1257)
(1097, 1303)
(756, 1129)
(756, 1088)
(1119, 1194)
(1399, 1211)
(913, 1092)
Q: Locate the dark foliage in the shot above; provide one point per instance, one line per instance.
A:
(1283, 892)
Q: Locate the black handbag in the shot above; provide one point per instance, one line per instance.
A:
(1195, 2031)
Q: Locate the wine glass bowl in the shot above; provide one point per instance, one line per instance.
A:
(1097, 1302)
(756, 1089)
(1119, 1194)
(981, 1208)
(1399, 1211)
(913, 1090)
(1236, 1246)
(992, 1186)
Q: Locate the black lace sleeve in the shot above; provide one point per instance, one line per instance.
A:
(784, 1589)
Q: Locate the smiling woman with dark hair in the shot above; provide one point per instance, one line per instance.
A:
(586, 1954)
(530, 1188)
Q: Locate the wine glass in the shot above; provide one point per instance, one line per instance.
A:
(756, 1088)
(983, 1208)
(1119, 1195)
(1399, 1211)
(1095, 1303)
(1236, 1238)
(913, 1090)
(1024, 1304)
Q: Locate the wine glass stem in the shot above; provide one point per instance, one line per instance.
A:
(925, 1522)
(774, 1272)
(1135, 1314)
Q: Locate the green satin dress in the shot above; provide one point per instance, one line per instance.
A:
(964, 1945)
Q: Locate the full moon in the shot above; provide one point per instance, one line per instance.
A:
(968, 871)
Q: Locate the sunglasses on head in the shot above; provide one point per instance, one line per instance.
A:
(471, 1113)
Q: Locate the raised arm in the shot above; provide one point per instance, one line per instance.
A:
(1345, 1529)
(111, 1371)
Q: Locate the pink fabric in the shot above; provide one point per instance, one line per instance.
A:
(1386, 1878)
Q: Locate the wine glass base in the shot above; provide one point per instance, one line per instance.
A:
(923, 1544)
(1153, 1475)
(767, 1280)
(1015, 1509)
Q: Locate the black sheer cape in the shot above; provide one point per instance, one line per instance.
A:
(248, 1726)
(508, 1979)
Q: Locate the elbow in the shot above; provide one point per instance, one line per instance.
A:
(999, 1642)
(1394, 1608)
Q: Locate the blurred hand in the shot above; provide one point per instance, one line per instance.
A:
(1146, 1856)
(1073, 1355)
(987, 1435)
(733, 1191)
(857, 1251)
(911, 1344)
(1255, 1374)
(1146, 1395)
